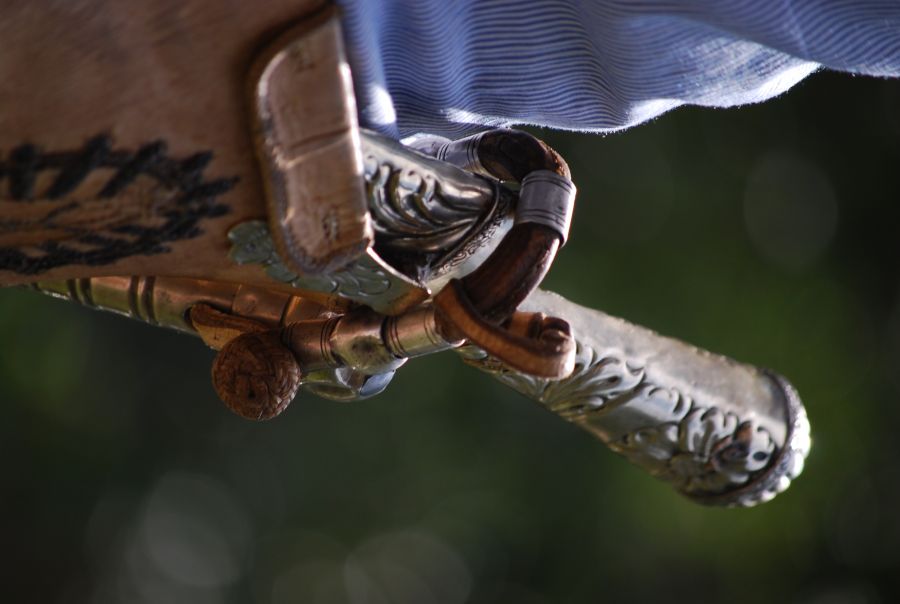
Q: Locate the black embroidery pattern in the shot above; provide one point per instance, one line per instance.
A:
(176, 189)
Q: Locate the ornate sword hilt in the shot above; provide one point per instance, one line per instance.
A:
(719, 431)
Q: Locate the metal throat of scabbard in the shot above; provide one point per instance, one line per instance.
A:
(394, 251)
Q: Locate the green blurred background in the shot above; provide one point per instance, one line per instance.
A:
(768, 233)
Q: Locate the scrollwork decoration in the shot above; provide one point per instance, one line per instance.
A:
(252, 244)
(418, 204)
(699, 449)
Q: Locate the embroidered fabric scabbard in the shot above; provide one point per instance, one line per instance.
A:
(368, 253)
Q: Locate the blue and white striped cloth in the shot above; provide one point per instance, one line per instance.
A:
(453, 66)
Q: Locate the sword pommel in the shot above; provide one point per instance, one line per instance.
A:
(721, 432)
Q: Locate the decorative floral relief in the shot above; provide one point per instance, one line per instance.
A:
(700, 449)
(708, 451)
(593, 384)
(430, 210)
(252, 244)
(412, 209)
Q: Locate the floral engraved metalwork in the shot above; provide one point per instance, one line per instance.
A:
(419, 204)
(432, 220)
(252, 244)
(707, 451)
(699, 449)
(593, 384)
(410, 209)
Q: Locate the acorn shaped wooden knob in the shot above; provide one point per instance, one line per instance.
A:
(256, 375)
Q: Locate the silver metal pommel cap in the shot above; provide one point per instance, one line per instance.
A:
(720, 432)
(785, 466)
(549, 199)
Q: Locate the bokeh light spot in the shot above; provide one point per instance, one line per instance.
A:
(193, 531)
(790, 210)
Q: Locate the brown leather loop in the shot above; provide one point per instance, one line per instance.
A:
(517, 266)
(512, 154)
(522, 259)
(475, 307)
(532, 343)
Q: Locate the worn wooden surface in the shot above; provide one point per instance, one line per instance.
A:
(135, 72)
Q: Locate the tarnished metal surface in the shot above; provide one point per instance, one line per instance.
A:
(433, 222)
(462, 153)
(345, 356)
(719, 431)
(165, 301)
(368, 280)
(418, 203)
(549, 199)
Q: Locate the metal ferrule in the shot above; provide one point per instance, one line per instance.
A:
(357, 342)
(373, 343)
(549, 199)
(310, 341)
(463, 153)
(415, 334)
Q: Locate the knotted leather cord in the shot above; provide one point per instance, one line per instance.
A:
(480, 305)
